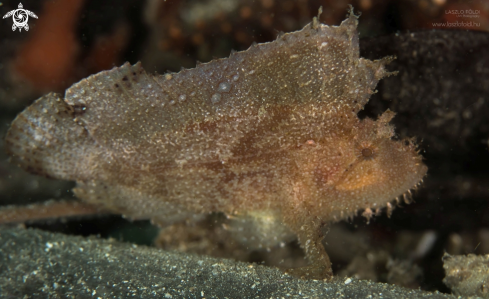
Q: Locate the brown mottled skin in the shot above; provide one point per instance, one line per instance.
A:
(269, 135)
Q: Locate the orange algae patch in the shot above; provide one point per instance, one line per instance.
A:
(269, 136)
(47, 59)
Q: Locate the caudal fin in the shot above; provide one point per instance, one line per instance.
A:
(44, 139)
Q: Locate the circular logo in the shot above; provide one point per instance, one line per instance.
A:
(20, 18)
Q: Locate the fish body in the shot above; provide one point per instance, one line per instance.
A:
(268, 135)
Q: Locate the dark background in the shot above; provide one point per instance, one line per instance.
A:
(440, 96)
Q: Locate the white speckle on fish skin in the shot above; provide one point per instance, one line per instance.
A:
(224, 87)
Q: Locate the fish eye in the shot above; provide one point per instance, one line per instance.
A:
(367, 151)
